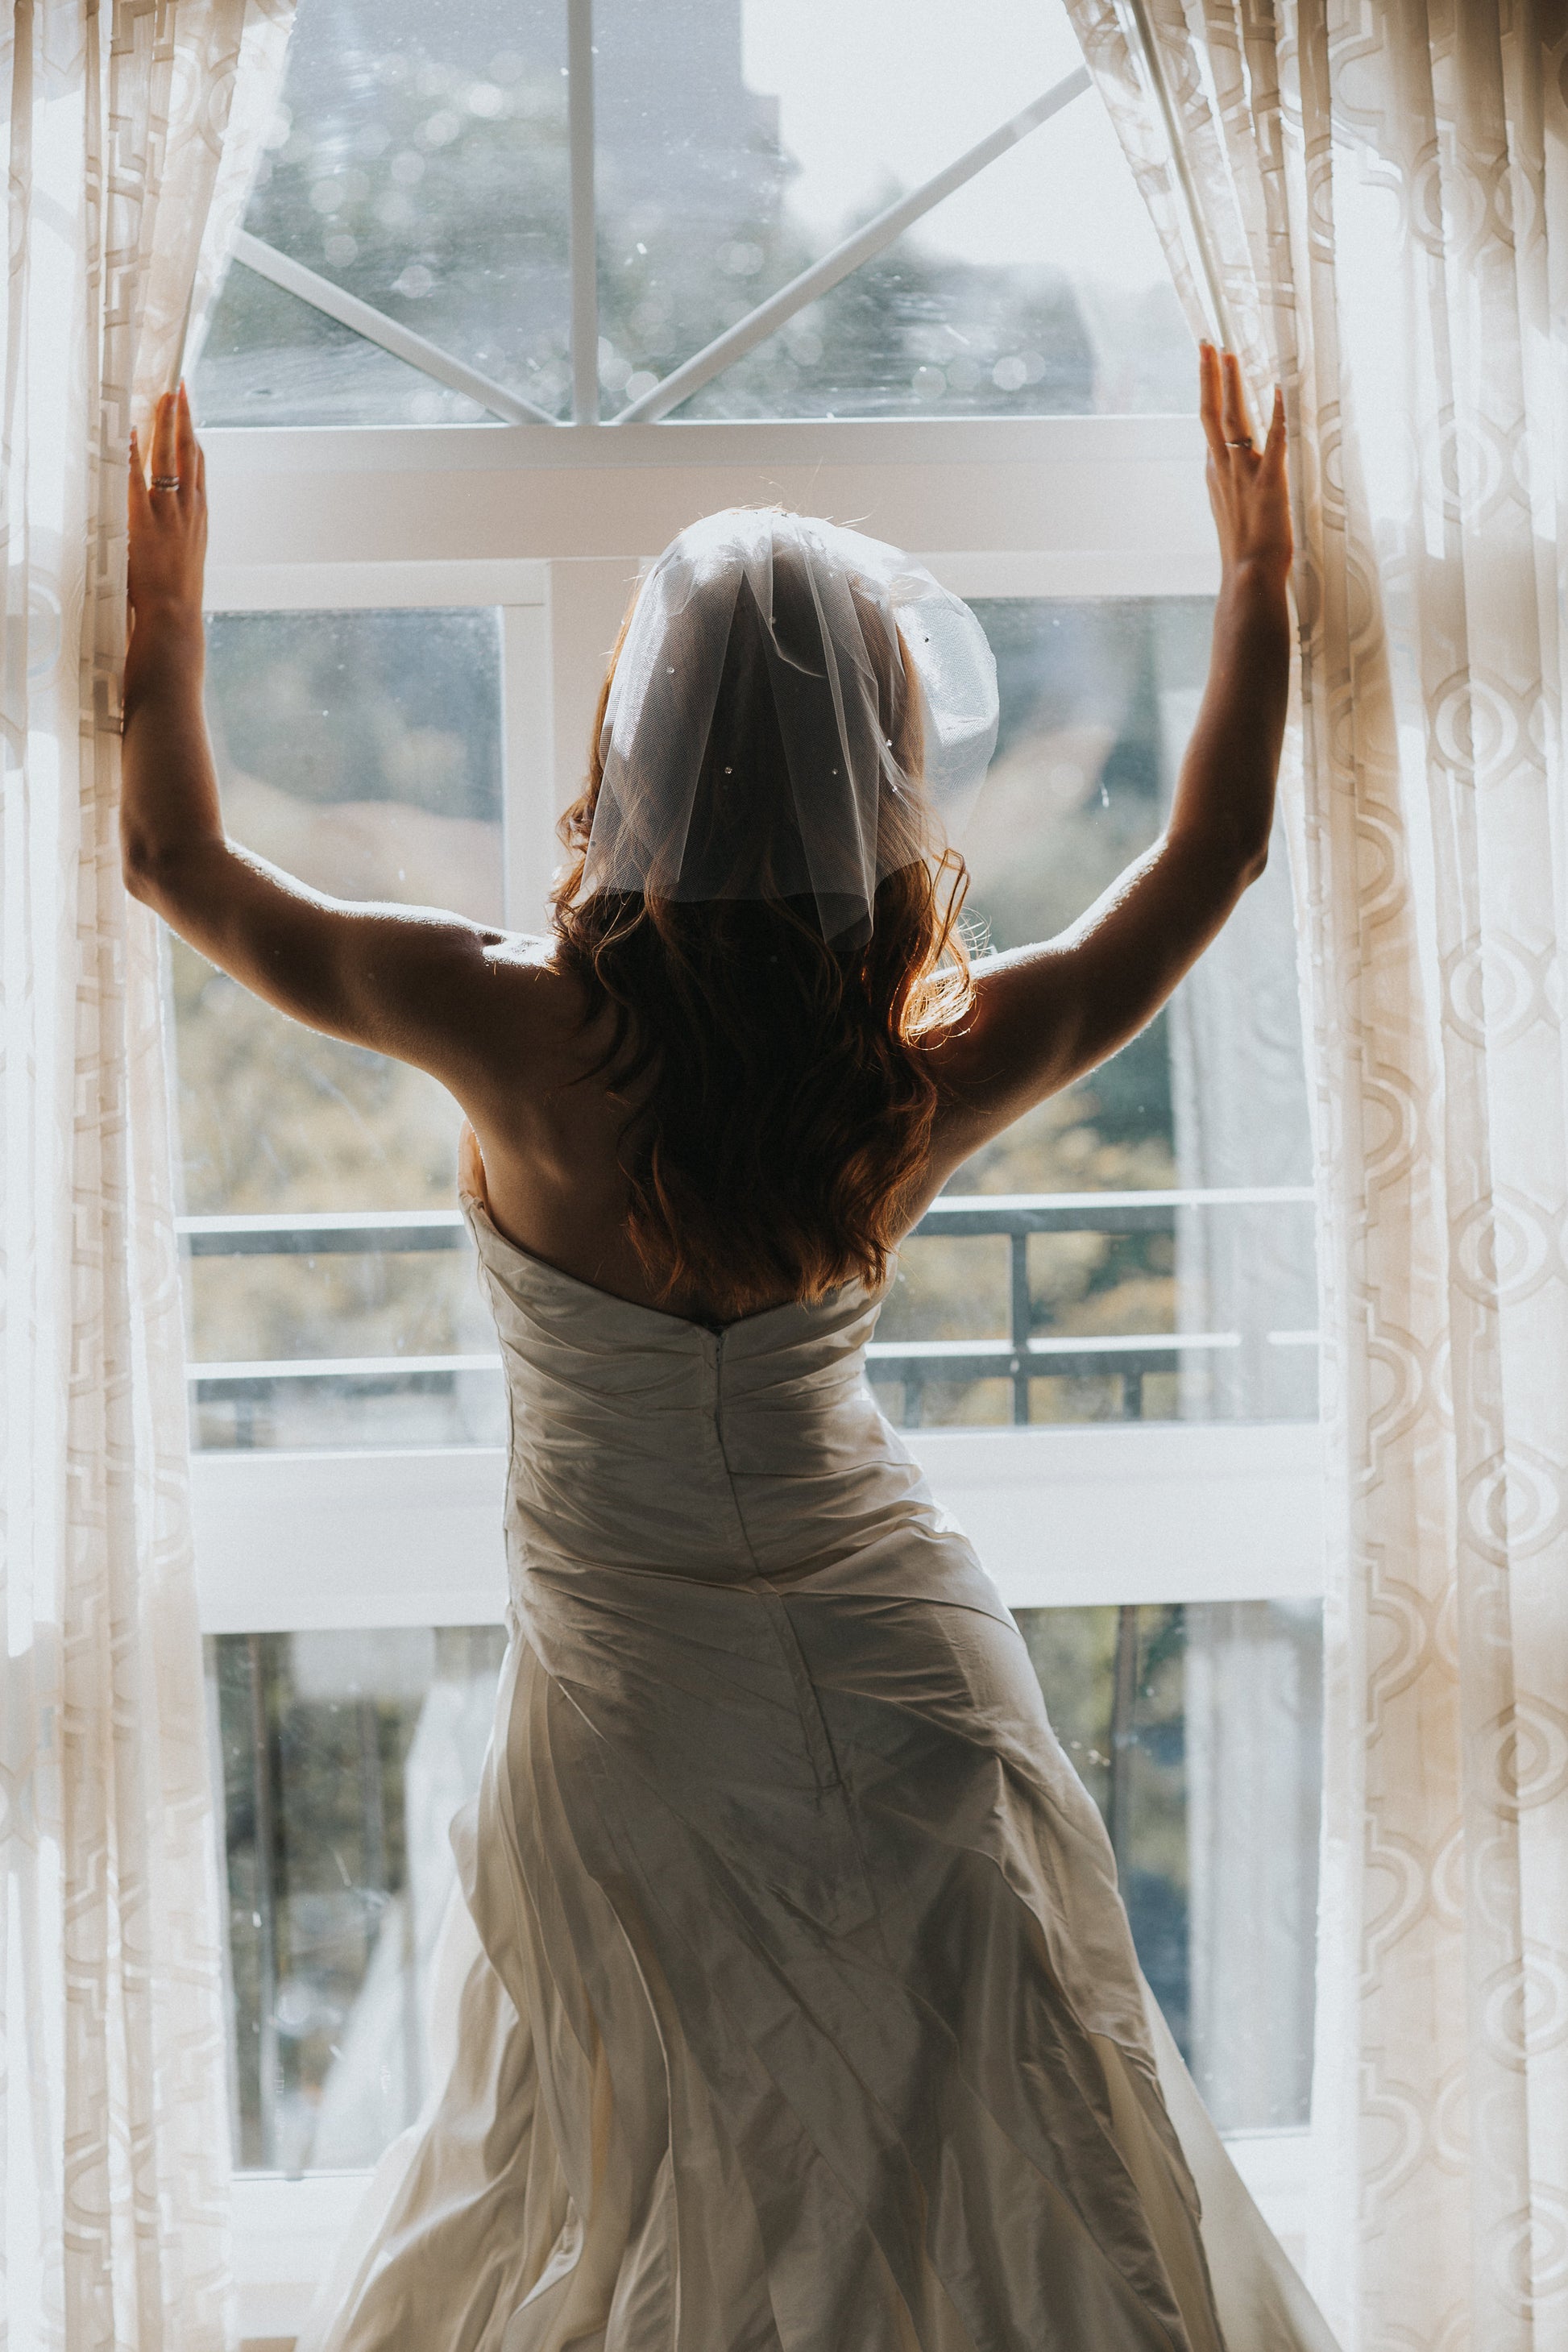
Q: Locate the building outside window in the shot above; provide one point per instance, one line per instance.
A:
(489, 338)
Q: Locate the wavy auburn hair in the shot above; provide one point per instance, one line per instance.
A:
(779, 1106)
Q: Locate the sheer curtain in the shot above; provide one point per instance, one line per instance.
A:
(1374, 201)
(130, 131)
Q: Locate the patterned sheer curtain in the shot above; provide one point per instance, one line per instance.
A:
(1372, 202)
(129, 132)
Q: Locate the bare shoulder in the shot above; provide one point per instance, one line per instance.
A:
(528, 1010)
(974, 1053)
(521, 951)
(542, 1104)
(1007, 1050)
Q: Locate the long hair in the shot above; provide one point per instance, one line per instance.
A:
(779, 1105)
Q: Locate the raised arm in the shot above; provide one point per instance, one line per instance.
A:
(411, 981)
(1044, 1016)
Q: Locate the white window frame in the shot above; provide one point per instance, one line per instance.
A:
(306, 520)
(548, 528)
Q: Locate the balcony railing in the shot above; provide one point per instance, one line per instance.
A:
(1019, 1358)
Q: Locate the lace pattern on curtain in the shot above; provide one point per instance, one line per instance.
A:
(127, 130)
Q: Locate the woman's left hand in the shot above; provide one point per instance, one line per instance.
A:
(168, 526)
(1248, 487)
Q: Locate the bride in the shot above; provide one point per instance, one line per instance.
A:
(797, 2011)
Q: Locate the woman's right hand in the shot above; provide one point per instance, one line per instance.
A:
(1044, 1015)
(1248, 487)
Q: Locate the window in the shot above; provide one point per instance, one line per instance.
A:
(1100, 1343)
(415, 201)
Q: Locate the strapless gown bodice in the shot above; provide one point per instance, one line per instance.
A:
(640, 1440)
(793, 2006)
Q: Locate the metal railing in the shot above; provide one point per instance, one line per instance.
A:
(1018, 1357)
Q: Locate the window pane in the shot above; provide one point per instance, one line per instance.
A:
(737, 145)
(344, 1757)
(419, 161)
(1098, 700)
(270, 359)
(362, 751)
(1197, 1730)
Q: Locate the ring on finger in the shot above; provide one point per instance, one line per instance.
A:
(1229, 444)
(165, 481)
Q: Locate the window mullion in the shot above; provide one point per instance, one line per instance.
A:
(528, 764)
(583, 226)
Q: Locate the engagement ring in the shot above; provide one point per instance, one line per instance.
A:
(165, 481)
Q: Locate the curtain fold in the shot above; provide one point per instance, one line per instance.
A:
(1372, 202)
(130, 132)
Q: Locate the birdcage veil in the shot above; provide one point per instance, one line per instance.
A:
(773, 669)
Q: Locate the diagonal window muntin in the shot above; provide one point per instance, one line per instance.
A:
(764, 319)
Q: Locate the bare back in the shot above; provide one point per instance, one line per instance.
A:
(548, 1129)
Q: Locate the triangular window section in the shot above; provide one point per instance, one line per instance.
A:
(417, 182)
(417, 165)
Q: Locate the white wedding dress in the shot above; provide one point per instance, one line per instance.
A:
(798, 2011)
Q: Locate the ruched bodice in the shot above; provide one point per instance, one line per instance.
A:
(644, 1441)
(798, 2009)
